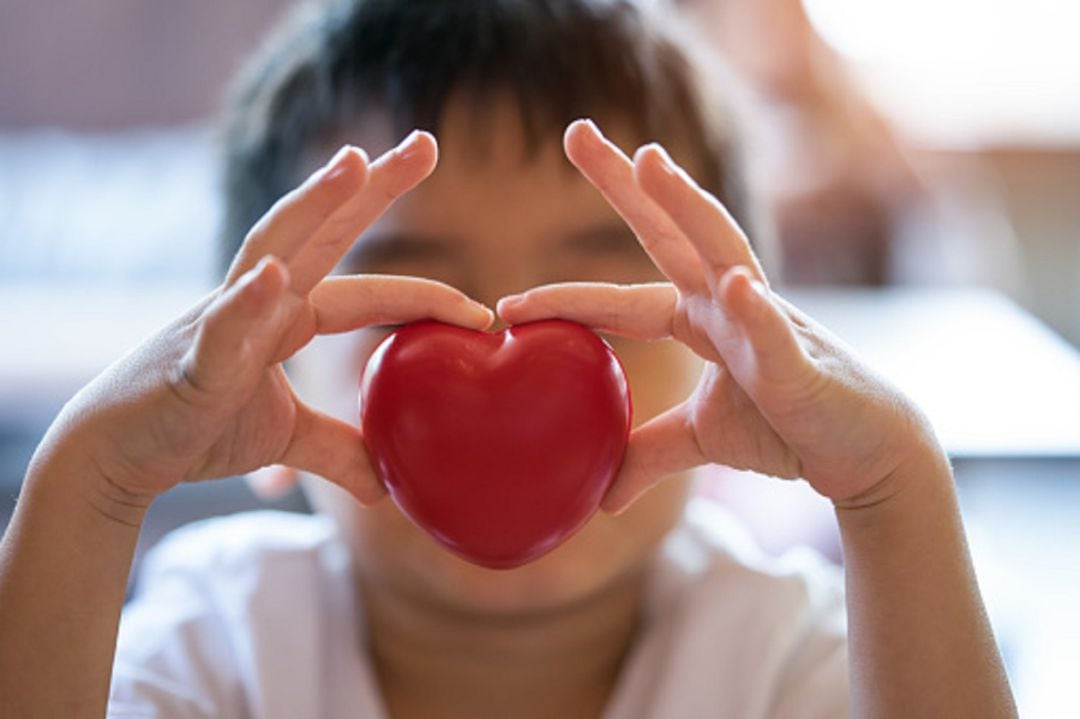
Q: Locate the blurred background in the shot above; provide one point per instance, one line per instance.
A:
(920, 162)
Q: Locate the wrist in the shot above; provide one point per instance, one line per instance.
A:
(912, 504)
(65, 472)
(924, 465)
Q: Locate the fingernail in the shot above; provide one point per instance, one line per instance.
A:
(665, 159)
(487, 314)
(271, 482)
(509, 302)
(336, 165)
(588, 122)
(407, 147)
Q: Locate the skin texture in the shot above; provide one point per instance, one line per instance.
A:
(207, 397)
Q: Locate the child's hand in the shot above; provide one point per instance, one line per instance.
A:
(207, 397)
(779, 394)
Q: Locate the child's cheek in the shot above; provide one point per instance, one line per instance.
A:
(364, 344)
(661, 373)
(618, 267)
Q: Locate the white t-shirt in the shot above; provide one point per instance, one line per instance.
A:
(255, 615)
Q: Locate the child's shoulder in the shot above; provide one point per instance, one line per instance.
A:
(246, 571)
(711, 569)
(246, 547)
(231, 537)
(731, 630)
(248, 600)
(714, 543)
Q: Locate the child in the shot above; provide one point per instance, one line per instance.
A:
(654, 609)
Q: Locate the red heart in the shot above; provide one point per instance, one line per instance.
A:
(500, 445)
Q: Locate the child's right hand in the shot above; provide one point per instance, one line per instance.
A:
(207, 396)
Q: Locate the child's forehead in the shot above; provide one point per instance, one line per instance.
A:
(500, 194)
(490, 186)
(490, 195)
(490, 131)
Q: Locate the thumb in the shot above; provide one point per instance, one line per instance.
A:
(334, 450)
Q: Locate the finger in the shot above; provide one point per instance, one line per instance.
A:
(664, 445)
(611, 172)
(718, 239)
(237, 333)
(350, 302)
(333, 450)
(294, 218)
(771, 354)
(273, 482)
(393, 174)
(637, 311)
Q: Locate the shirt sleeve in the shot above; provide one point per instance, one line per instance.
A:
(249, 615)
(173, 656)
(813, 681)
(733, 632)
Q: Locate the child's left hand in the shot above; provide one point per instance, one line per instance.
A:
(779, 394)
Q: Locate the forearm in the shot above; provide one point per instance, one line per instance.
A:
(920, 641)
(64, 564)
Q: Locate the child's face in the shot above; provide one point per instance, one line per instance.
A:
(491, 223)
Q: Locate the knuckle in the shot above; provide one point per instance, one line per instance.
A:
(186, 378)
(334, 230)
(213, 328)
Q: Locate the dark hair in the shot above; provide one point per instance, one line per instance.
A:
(561, 59)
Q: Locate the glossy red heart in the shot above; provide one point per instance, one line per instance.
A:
(500, 445)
